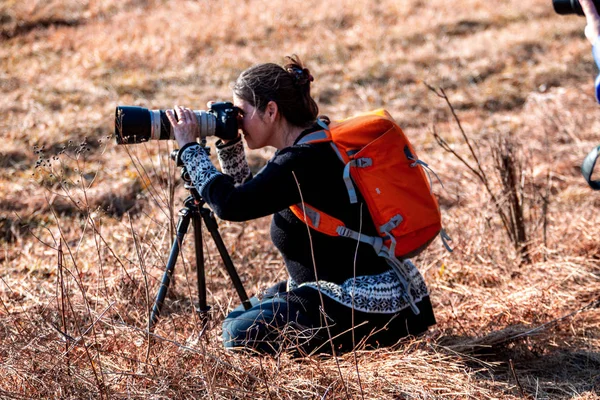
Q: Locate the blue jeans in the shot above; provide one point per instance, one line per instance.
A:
(278, 319)
(300, 322)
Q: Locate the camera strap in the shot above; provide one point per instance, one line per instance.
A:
(587, 167)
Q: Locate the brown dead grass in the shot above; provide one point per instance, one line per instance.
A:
(86, 234)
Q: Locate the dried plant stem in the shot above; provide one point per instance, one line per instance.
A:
(362, 394)
(477, 173)
(506, 164)
(537, 329)
(546, 200)
(76, 277)
(97, 377)
(325, 316)
(61, 303)
(8, 312)
(511, 175)
(18, 324)
(514, 374)
(192, 350)
(75, 203)
(101, 265)
(142, 265)
(265, 379)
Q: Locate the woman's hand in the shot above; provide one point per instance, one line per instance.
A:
(592, 30)
(185, 126)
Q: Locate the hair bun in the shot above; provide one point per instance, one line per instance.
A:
(300, 75)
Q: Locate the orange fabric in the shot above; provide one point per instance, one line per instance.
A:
(327, 224)
(392, 186)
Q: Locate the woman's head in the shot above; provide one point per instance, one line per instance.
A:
(288, 87)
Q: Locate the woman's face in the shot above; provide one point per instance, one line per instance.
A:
(256, 128)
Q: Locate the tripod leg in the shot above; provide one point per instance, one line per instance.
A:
(203, 308)
(182, 227)
(213, 228)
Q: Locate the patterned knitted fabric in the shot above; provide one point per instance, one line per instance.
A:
(378, 294)
(233, 160)
(198, 165)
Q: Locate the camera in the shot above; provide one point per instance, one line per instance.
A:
(565, 7)
(138, 124)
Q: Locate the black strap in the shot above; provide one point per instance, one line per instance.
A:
(587, 168)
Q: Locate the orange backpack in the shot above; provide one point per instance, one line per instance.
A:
(383, 165)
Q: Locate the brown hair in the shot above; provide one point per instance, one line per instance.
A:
(287, 86)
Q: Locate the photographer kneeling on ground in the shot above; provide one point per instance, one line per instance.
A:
(335, 285)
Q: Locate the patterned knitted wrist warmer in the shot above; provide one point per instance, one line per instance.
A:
(232, 159)
(198, 165)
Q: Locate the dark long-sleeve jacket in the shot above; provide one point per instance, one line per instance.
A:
(311, 173)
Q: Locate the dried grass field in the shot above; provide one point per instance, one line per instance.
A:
(86, 225)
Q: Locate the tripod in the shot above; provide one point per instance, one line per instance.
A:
(194, 210)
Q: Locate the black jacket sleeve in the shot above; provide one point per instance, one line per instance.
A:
(273, 189)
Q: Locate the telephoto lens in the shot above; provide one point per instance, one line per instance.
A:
(565, 7)
(138, 124)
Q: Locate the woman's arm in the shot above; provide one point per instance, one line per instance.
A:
(592, 32)
(592, 29)
(271, 190)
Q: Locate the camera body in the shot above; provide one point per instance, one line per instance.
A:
(138, 124)
(226, 118)
(565, 7)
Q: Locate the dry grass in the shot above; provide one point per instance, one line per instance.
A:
(85, 225)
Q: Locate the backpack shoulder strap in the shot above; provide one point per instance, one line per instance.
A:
(320, 136)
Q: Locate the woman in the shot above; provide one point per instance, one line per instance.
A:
(334, 283)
